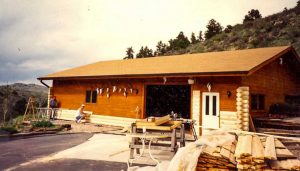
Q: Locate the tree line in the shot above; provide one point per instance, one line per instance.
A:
(181, 41)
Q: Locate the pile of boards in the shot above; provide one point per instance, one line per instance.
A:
(218, 158)
(249, 152)
(263, 153)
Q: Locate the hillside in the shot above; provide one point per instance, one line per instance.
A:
(275, 30)
(18, 95)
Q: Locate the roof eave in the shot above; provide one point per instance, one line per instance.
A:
(201, 74)
(288, 49)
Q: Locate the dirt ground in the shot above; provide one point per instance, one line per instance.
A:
(90, 127)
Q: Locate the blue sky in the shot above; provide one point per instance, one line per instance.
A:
(38, 37)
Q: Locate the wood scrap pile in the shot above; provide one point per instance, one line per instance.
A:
(220, 158)
(280, 158)
(255, 153)
(250, 152)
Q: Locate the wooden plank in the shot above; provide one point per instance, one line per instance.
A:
(257, 148)
(158, 121)
(252, 126)
(225, 153)
(244, 147)
(278, 144)
(290, 164)
(284, 153)
(239, 146)
(170, 125)
(270, 152)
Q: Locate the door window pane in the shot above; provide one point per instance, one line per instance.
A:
(207, 105)
(214, 105)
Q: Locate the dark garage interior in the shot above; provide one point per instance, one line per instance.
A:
(163, 99)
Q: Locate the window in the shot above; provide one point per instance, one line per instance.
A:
(257, 102)
(91, 96)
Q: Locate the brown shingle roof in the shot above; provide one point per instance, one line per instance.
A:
(225, 62)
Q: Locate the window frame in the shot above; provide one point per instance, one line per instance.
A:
(260, 106)
(92, 96)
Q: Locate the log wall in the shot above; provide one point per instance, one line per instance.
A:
(274, 81)
(71, 94)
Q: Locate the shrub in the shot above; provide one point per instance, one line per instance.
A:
(11, 130)
(42, 124)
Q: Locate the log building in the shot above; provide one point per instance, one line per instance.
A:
(217, 89)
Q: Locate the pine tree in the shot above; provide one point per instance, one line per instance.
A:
(181, 42)
(213, 28)
(200, 37)
(145, 52)
(228, 29)
(129, 53)
(193, 39)
(252, 15)
(161, 49)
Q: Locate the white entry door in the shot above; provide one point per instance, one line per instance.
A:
(210, 110)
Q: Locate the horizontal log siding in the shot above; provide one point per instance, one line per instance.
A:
(274, 81)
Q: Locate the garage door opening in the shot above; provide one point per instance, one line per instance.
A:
(163, 99)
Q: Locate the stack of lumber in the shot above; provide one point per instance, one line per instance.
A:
(255, 153)
(157, 121)
(242, 107)
(249, 153)
(218, 158)
(280, 158)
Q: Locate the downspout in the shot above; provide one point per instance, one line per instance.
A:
(44, 84)
(49, 93)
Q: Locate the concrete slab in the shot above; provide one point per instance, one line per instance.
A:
(110, 148)
(105, 147)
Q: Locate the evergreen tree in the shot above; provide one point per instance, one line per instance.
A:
(161, 49)
(252, 15)
(145, 52)
(200, 37)
(193, 39)
(228, 29)
(129, 53)
(213, 28)
(181, 42)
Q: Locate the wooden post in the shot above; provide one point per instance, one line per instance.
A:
(182, 136)
(173, 140)
(133, 130)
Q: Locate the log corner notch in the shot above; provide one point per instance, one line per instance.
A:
(242, 107)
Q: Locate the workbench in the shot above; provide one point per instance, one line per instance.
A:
(168, 129)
